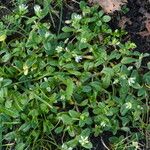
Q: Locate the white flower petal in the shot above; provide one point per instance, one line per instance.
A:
(131, 81)
(128, 105)
(78, 59)
(23, 7)
(37, 8)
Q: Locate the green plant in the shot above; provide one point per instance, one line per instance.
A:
(58, 90)
(123, 143)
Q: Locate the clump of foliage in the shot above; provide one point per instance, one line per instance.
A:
(58, 90)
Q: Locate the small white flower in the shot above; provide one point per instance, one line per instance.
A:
(131, 81)
(48, 89)
(25, 69)
(68, 21)
(115, 42)
(83, 40)
(45, 79)
(66, 41)
(65, 147)
(37, 9)
(23, 7)
(77, 17)
(115, 81)
(135, 144)
(83, 140)
(139, 107)
(15, 87)
(103, 124)
(128, 105)
(123, 76)
(141, 57)
(47, 34)
(66, 49)
(59, 49)
(91, 49)
(78, 59)
(62, 97)
(130, 68)
(1, 79)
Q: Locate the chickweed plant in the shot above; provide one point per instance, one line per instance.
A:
(59, 90)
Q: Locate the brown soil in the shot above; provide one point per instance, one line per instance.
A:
(137, 23)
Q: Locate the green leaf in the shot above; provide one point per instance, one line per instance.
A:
(124, 110)
(148, 65)
(8, 104)
(74, 114)
(33, 113)
(86, 89)
(96, 86)
(6, 57)
(59, 129)
(73, 143)
(47, 126)
(106, 18)
(67, 29)
(86, 132)
(10, 112)
(2, 37)
(83, 45)
(125, 121)
(69, 89)
(126, 129)
(88, 145)
(48, 47)
(84, 103)
(71, 131)
(42, 100)
(20, 146)
(3, 92)
(88, 65)
(108, 71)
(66, 119)
(142, 92)
(106, 80)
(1, 130)
(46, 4)
(101, 13)
(10, 136)
(6, 82)
(128, 60)
(25, 127)
(146, 78)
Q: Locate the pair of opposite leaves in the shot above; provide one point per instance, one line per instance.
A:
(109, 6)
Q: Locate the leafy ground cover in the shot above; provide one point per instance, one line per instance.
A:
(70, 81)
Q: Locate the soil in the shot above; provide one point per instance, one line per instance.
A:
(101, 142)
(138, 14)
(134, 22)
(5, 7)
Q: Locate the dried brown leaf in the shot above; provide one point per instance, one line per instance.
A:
(147, 25)
(123, 21)
(146, 33)
(109, 6)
